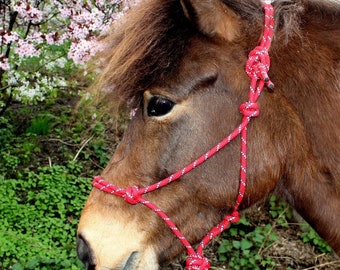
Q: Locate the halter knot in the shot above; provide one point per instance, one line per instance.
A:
(250, 109)
(258, 64)
(132, 195)
(197, 262)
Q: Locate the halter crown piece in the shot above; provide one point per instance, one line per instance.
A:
(257, 68)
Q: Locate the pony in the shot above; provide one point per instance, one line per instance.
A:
(180, 65)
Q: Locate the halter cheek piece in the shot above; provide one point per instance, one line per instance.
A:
(257, 68)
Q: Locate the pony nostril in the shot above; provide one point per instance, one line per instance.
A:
(131, 261)
(85, 253)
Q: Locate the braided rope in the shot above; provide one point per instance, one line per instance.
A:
(257, 68)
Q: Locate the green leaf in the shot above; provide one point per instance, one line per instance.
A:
(246, 244)
(236, 244)
(17, 266)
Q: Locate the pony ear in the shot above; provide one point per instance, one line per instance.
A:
(212, 17)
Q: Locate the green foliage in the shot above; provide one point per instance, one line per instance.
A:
(44, 152)
(309, 235)
(39, 216)
(280, 211)
(41, 125)
(242, 245)
(15, 151)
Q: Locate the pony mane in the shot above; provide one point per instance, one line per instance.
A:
(149, 44)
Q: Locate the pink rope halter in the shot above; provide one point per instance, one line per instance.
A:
(257, 68)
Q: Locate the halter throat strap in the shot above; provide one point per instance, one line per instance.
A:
(257, 68)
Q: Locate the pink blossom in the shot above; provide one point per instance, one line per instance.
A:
(53, 38)
(36, 37)
(7, 37)
(65, 12)
(133, 112)
(28, 12)
(26, 49)
(83, 50)
(77, 21)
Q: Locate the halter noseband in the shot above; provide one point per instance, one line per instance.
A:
(257, 68)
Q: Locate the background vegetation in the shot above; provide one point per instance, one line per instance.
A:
(48, 155)
(50, 147)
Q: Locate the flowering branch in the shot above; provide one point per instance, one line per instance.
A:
(40, 38)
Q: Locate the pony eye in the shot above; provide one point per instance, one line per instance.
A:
(159, 106)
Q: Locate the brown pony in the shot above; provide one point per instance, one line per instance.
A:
(180, 64)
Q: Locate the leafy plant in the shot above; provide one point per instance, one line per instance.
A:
(242, 245)
(39, 216)
(280, 210)
(41, 125)
(309, 235)
(41, 188)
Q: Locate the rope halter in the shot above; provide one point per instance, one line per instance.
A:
(257, 68)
